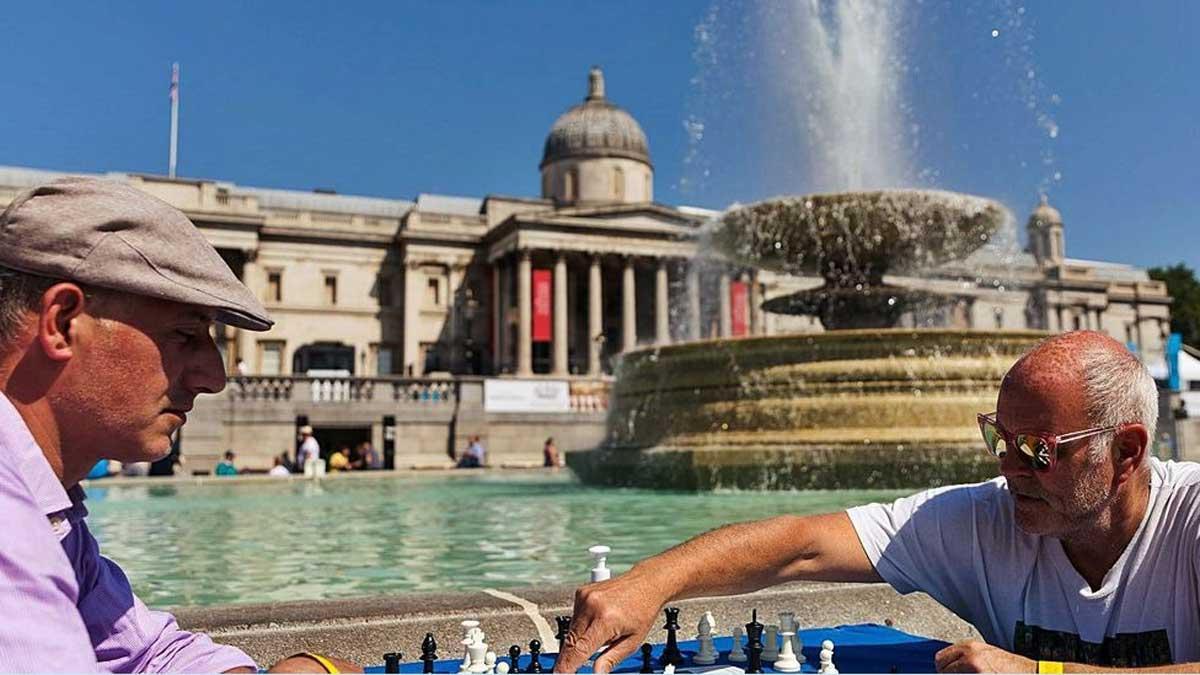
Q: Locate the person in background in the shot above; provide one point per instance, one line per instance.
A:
(473, 457)
(371, 458)
(278, 469)
(340, 460)
(309, 451)
(550, 458)
(225, 467)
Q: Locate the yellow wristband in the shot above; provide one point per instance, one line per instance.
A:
(330, 668)
(1051, 667)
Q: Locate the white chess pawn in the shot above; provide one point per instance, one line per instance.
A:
(707, 654)
(826, 666)
(771, 643)
(787, 662)
(489, 661)
(736, 653)
(669, 669)
(501, 668)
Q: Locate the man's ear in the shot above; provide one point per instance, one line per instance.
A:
(57, 328)
(1129, 450)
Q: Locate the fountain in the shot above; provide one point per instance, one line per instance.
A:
(863, 404)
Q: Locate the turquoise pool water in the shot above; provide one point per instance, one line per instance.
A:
(303, 540)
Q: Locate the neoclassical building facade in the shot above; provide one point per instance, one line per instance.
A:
(556, 285)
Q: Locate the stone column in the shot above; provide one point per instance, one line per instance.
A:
(524, 316)
(560, 316)
(244, 341)
(413, 280)
(726, 313)
(497, 318)
(662, 314)
(693, 295)
(629, 306)
(595, 316)
(756, 322)
(456, 333)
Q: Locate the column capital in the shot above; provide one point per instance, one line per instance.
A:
(524, 253)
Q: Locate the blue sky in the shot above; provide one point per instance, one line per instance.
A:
(393, 99)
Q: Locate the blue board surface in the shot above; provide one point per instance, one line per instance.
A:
(860, 648)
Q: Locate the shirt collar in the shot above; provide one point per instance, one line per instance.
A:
(31, 463)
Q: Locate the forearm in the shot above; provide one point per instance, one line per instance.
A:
(746, 557)
(1172, 668)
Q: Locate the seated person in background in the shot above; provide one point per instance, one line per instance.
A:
(358, 462)
(550, 454)
(1085, 550)
(473, 456)
(107, 300)
(371, 458)
(340, 460)
(225, 467)
(278, 469)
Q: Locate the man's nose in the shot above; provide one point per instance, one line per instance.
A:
(207, 372)
(1012, 464)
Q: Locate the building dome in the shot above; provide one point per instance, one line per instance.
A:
(595, 128)
(1046, 214)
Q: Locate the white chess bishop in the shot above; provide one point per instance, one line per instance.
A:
(704, 632)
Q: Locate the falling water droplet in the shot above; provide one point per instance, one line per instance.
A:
(995, 33)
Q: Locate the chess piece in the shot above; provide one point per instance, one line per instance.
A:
(564, 625)
(468, 626)
(514, 658)
(771, 644)
(535, 654)
(786, 662)
(671, 654)
(704, 630)
(647, 658)
(669, 669)
(787, 622)
(600, 571)
(825, 666)
(501, 668)
(489, 662)
(391, 662)
(428, 653)
(737, 654)
(754, 645)
(477, 650)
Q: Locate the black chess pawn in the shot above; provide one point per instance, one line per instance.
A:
(391, 662)
(535, 657)
(514, 659)
(428, 653)
(671, 654)
(564, 625)
(754, 645)
(647, 658)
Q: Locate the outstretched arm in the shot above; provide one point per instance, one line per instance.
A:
(737, 558)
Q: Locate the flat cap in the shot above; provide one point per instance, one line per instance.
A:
(110, 235)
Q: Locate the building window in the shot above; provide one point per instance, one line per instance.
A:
(433, 357)
(274, 286)
(270, 357)
(998, 314)
(1077, 322)
(331, 289)
(570, 184)
(618, 186)
(384, 284)
(433, 293)
(384, 359)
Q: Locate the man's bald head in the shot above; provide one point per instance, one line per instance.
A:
(1086, 375)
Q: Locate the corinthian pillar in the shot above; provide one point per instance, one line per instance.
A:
(595, 316)
(560, 316)
(662, 315)
(628, 306)
(693, 296)
(726, 312)
(524, 316)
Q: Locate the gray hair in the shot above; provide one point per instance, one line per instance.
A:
(1119, 390)
(20, 294)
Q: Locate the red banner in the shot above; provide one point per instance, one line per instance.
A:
(542, 304)
(738, 303)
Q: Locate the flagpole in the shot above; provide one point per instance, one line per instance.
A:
(174, 120)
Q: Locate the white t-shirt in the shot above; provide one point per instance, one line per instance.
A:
(309, 449)
(961, 545)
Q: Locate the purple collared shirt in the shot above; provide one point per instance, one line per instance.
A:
(63, 606)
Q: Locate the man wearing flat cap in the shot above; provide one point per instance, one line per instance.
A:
(107, 296)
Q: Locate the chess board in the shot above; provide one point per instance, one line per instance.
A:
(860, 648)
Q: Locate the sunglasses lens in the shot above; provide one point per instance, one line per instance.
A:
(1035, 449)
(991, 436)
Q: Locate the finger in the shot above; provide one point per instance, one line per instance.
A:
(615, 654)
(945, 657)
(578, 646)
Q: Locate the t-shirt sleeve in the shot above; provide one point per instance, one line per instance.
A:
(129, 637)
(40, 628)
(928, 542)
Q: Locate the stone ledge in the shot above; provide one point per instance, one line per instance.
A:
(363, 629)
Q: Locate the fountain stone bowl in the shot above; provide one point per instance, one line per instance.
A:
(877, 408)
(862, 405)
(852, 240)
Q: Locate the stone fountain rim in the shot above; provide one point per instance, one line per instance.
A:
(849, 334)
(948, 194)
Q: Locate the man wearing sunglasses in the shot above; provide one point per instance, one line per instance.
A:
(1082, 555)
